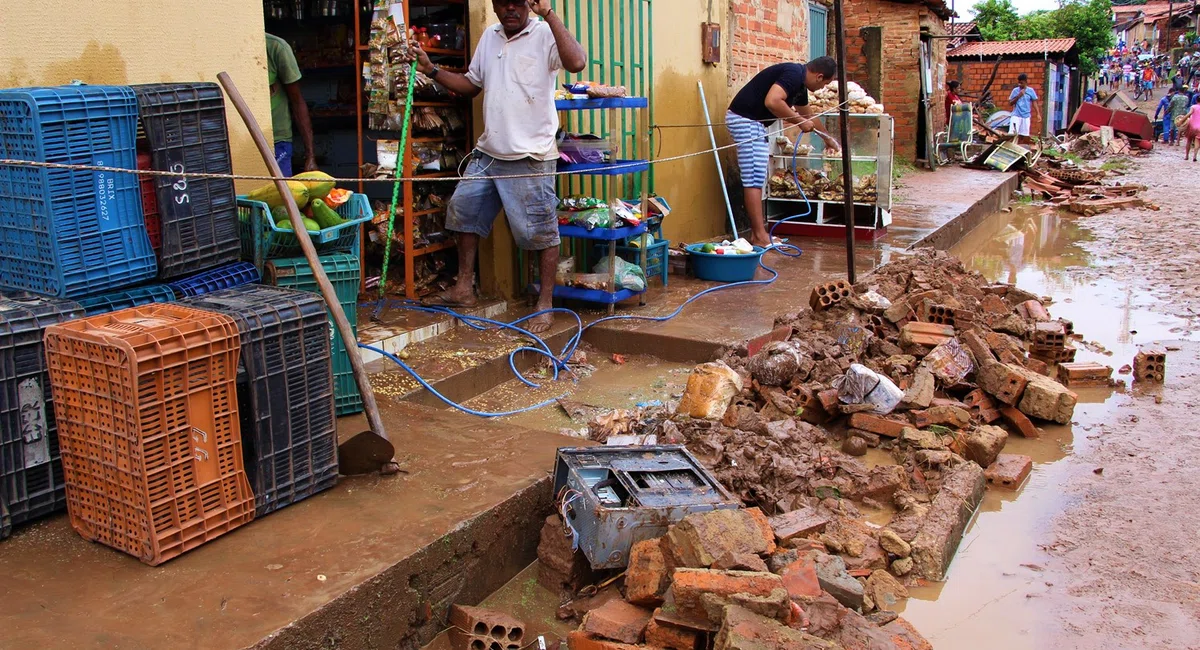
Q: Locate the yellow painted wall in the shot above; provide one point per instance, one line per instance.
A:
(142, 41)
(690, 185)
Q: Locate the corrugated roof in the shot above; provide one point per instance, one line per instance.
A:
(958, 29)
(1014, 48)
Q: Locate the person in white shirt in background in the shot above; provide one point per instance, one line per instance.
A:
(515, 65)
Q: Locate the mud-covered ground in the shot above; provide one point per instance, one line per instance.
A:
(1124, 568)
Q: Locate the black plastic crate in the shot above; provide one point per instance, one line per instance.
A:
(31, 475)
(185, 127)
(285, 391)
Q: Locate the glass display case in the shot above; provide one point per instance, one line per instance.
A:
(805, 187)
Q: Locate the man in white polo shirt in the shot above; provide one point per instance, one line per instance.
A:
(515, 65)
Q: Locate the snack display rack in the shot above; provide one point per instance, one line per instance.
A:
(618, 167)
(871, 142)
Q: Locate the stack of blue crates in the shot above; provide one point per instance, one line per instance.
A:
(64, 232)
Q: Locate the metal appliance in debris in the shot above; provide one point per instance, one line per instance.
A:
(612, 497)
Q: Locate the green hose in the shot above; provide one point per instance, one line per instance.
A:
(403, 152)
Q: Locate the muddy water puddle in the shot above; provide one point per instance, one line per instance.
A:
(995, 595)
(633, 381)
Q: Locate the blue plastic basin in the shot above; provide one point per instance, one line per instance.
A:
(724, 268)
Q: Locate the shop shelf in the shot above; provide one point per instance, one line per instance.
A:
(185, 126)
(614, 168)
(606, 102)
(230, 275)
(285, 391)
(126, 298)
(276, 242)
(149, 203)
(148, 424)
(31, 480)
(343, 272)
(64, 232)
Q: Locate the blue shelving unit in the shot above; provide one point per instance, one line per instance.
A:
(620, 167)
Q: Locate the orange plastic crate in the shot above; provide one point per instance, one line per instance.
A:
(146, 404)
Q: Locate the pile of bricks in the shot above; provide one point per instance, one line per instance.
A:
(734, 580)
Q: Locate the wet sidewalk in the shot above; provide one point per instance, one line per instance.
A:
(375, 562)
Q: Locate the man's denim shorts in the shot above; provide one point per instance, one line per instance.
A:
(530, 203)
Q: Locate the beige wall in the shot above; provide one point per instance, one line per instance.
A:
(142, 41)
(690, 185)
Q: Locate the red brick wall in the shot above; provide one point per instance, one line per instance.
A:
(974, 75)
(765, 32)
(900, 84)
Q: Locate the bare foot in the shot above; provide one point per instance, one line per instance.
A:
(455, 297)
(760, 242)
(539, 324)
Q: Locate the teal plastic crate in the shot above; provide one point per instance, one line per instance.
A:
(269, 241)
(343, 272)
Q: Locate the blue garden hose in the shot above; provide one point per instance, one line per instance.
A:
(559, 362)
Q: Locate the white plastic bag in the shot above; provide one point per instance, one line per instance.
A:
(629, 276)
(861, 385)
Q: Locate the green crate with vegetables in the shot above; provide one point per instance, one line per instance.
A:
(333, 218)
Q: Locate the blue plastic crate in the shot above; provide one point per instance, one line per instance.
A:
(65, 232)
(274, 242)
(126, 298)
(230, 275)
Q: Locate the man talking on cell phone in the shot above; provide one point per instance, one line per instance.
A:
(515, 65)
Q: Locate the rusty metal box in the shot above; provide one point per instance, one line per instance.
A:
(612, 497)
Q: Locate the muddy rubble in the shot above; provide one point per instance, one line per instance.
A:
(921, 360)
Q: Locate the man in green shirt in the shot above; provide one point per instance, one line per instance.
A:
(283, 74)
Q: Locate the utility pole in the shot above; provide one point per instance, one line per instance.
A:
(1170, 18)
(844, 120)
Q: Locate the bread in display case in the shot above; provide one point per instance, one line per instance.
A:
(805, 182)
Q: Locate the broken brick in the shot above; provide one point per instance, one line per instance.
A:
(742, 629)
(1017, 420)
(740, 562)
(764, 527)
(927, 334)
(700, 538)
(1038, 366)
(829, 400)
(647, 576)
(1009, 471)
(978, 347)
(691, 585)
(984, 443)
(800, 579)
(827, 294)
(905, 636)
(1002, 381)
(1033, 310)
(942, 529)
(1084, 373)
(950, 416)
(670, 637)
(920, 392)
(798, 523)
(1047, 399)
(480, 622)
(561, 568)
(1150, 365)
(994, 304)
(580, 640)
(877, 424)
(617, 620)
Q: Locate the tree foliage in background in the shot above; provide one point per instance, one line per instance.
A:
(1089, 22)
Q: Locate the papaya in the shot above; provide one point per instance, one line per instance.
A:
(309, 225)
(319, 184)
(336, 197)
(269, 195)
(325, 215)
(279, 215)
